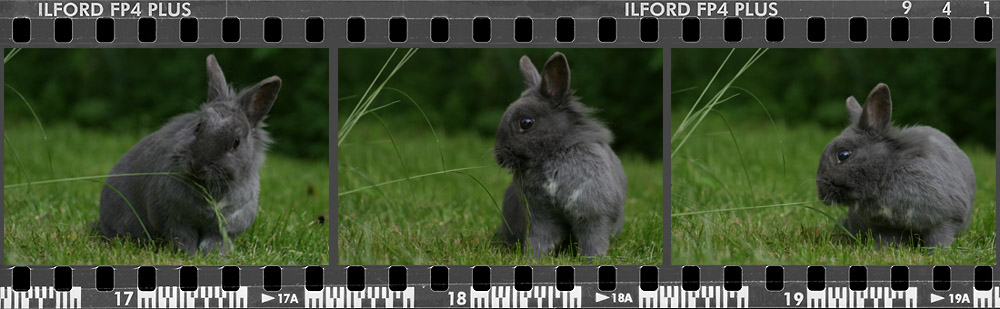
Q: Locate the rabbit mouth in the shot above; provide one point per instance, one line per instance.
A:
(829, 193)
(213, 178)
(507, 159)
(827, 200)
(209, 173)
(508, 163)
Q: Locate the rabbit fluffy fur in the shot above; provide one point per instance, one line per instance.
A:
(220, 148)
(899, 183)
(566, 179)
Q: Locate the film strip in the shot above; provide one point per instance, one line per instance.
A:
(337, 28)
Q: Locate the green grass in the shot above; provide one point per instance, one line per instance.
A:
(708, 175)
(450, 218)
(49, 223)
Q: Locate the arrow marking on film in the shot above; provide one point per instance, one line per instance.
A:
(935, 298)
(265, 298)
(600, 297)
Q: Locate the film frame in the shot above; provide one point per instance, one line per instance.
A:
(333, 26)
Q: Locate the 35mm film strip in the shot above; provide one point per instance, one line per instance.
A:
(721, 207)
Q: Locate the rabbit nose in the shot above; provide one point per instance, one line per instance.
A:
(196, 169)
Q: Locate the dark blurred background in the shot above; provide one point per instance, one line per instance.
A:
(469, 89)
(120, 90)
(951, 89)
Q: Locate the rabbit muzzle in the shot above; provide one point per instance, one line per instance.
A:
(828, 192)
(506, 158)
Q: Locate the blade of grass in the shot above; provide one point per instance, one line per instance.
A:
(134, 212)
(361, 102)
(714, 177)
(798, 204)
(17, 160)
(495, 205)
(49, 181)
(45, 138)
(369, 181)
(13, 52)
(30, 109)
(712, 103)
(706, 110)
(380, 107)
(406, 173)
(411, 177)
(433, 132)
(683, 90)
(210, 199)
(370, 95)
(781, 145)
(739, 152)
(20, 167)
(683, 199)
(684, 122)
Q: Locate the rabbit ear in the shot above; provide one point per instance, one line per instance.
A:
(878, 109)
(531, 77)
(217, 87)
(257, 100)
(555, 77)
(853, 110)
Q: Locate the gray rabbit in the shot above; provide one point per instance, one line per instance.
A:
(219, 148)
(899, 183)
(567, 180)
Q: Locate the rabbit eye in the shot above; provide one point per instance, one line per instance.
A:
(197, 128)
(236, 143)
(526, 123)
(843, 155)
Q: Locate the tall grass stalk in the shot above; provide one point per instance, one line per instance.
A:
(781, 145)
(10, 55)
(370, 94)
(796, 204)
(428, 120)
(746, 171)
(406, 173)
(695, 115)
(454, 170)
(363, 108)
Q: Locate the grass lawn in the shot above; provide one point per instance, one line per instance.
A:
(50, 223)
(707, 174)
(450, 218)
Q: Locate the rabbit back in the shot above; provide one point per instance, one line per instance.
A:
(935, 184)
(116, 214)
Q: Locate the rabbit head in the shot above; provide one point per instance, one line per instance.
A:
(225, 140)
(545, 119)
(855, 164)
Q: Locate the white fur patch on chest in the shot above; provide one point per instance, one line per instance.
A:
(224, 206)
(574, 196)
(886, 212)
(551, 186)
